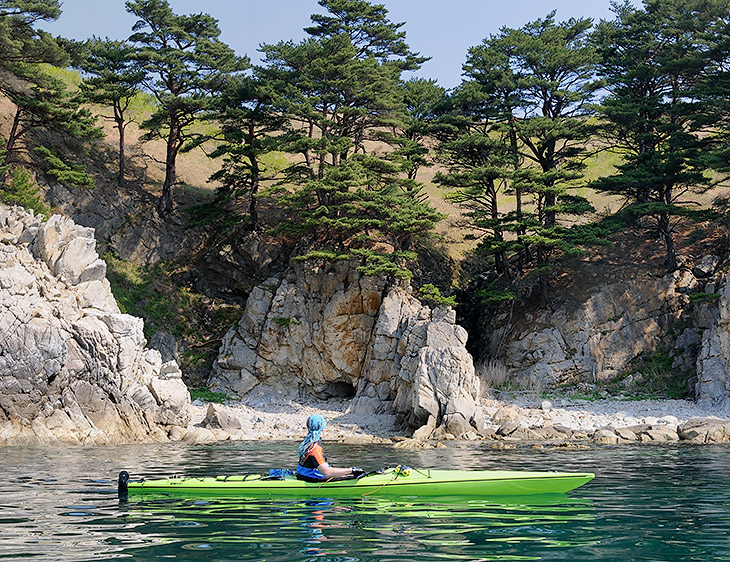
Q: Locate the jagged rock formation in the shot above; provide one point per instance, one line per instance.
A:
(330, 331)
(597, 339)
(713, 363)
(72, 368)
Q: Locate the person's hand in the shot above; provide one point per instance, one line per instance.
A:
(357, 472)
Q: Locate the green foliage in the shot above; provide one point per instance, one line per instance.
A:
(700, 297)
(430, 294)
(247, 140)
(22, 190)
(112, 78)
(495, 296)
(151, 293)
(598, 233)
(659, 378)
(323, 255)
(379, 264)
(343, 84)
(207, 395)
(518, 127)
(657, 114)
(214, 212)
(71, 174)
(69, 77)
(186, 67)
(20, 43)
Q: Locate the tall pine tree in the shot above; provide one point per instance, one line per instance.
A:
(530, 88)
(111, 78)
(186, 64)
(340, 88)
(653, 60)
(40, 99)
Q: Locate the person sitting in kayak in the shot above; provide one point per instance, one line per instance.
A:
(313, 465)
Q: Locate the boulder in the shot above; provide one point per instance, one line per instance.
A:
(661, 434)
(425, 431)
(706, 266)
(505, 414)
(705, 430)
(626, 434)
(220, 417)
(605, 437)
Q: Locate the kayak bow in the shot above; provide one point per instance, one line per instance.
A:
(391, 482)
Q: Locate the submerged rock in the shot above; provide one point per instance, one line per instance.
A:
(73, 369)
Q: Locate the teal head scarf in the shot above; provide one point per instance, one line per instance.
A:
(315, 425)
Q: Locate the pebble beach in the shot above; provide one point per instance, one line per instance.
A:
(284, 419)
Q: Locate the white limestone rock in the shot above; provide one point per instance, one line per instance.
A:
(713, 364)
(72, 368)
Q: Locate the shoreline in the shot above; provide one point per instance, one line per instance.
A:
(605, 421)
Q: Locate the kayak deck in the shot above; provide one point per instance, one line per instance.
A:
(391, 482)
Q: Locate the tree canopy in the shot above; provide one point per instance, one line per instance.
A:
(353, 134)
(186, 64)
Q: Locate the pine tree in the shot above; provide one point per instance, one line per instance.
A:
(653, 61)
(529, 89)
(20, 42)
(112, 78)
(186, 65)
(250, 127)
(409, 131)
(479, 164)
(340, 89)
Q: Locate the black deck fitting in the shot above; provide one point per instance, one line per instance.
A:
(122, 492)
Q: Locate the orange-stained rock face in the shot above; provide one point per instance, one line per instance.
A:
(325, 328)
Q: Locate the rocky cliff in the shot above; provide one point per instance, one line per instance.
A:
(72, 368)
(329, 331)
(597, 339)
(713, 363)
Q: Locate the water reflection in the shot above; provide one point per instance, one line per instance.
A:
(452, 528)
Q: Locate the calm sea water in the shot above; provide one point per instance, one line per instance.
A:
(647, 503)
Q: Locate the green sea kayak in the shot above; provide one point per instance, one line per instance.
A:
(391, 482)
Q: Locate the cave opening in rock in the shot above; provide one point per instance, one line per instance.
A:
(337, 389)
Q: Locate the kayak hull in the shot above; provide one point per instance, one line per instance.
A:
(418, 483)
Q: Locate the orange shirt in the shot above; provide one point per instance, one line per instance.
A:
(315, 456)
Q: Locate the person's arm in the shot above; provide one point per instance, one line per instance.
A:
(332, 472)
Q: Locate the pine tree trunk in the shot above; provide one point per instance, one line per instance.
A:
(164, 206)
(120, 179)
(253, 204)
(666, 230)
(544, 276)
(10, 145)
(521, 255)
(549, 215)
(12, 137)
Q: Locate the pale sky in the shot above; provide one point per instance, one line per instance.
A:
(441, 29)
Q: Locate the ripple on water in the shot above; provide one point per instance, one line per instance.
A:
(645, 504)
